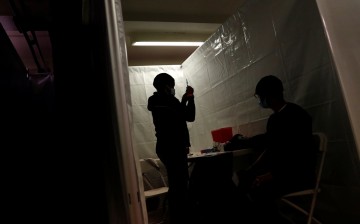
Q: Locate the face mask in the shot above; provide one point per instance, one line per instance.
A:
(263, 103)
(172, 91)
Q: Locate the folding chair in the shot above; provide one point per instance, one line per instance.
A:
(321, 143)
(155, 181)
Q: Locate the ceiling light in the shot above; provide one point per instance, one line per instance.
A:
(166, 43)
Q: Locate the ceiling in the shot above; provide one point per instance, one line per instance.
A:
(175, 19)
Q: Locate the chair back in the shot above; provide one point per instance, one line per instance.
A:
(320, 141)
(154, 173)
(321, 144)
(155, 187)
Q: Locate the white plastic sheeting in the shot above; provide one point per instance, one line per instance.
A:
(281, 37)
(342, 23)
(129, 168)
(285, 38)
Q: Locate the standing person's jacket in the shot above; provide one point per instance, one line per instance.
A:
(170, 117)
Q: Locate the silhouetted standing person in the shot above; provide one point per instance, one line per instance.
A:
(173, 142)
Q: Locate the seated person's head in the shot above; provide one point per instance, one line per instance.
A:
(163, 82)
(268, 90)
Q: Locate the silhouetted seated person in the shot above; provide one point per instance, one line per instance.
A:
(288, 158)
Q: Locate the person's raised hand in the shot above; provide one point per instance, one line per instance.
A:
(189, 91)
(189, 94)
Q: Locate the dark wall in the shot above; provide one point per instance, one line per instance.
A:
(84, 112)
(61, 152)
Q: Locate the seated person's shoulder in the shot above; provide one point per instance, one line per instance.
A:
(293, 109)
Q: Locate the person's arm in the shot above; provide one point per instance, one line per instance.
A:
(261, 179)
(188, 103)
(260, 163)
(259, 144)
(258, 172)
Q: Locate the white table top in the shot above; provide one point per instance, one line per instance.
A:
(240, 152)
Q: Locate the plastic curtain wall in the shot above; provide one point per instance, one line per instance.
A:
(130, 169)
(285, 38)
(346, 54)
(281, 37)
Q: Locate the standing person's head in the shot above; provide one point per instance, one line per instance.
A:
(269, 91)
(164, 83)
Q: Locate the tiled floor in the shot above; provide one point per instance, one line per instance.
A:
(157, 213)
(157, 217)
